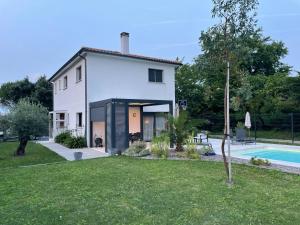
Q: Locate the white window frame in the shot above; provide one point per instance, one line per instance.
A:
(65, 82)
(78, 72)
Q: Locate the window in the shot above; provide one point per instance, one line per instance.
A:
(155, 76)
(55, 88)
(78, 74)
(65, 82)
(79, 119)
(60, 120)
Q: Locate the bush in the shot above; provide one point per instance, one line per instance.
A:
(61, 138)
(160, 146)
(75, 142)
(191, 149)
(137, 149)
(206, 150)
(259, 162)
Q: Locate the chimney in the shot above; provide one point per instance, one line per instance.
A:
(124, 43)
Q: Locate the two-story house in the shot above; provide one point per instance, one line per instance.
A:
(112, 95)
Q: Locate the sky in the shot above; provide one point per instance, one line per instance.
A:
(37, 37)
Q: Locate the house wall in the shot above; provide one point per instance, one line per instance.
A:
(126, 78)
(71, 99)
(118, 77)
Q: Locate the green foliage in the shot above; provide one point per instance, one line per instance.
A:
(160, 146)
(259, 81)
(40, 92)
(190, 149)
(137, 149)
(28, 119)
(75, 142)
(205, 150)
(179, 128)
(65, 138)
(61, 138)
(259, 162)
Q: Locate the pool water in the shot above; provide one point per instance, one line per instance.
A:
(276, 154)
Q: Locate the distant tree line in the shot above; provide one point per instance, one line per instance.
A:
(37, 92)
(260, 81)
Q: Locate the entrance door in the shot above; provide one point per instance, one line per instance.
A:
(148, 127)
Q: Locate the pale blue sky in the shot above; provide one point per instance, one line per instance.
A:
(37, 37)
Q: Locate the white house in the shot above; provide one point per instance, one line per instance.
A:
(112, 95)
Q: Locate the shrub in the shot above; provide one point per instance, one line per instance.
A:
(75, 142)
(160, 146)
(206, 150)
(137, 149)
(259, 162)
(191, 149)
(61, 138)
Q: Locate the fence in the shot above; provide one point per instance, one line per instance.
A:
(283, 127)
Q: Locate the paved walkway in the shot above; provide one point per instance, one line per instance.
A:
(88, 153)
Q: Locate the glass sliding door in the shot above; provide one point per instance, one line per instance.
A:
(160, 124)
(148, 127)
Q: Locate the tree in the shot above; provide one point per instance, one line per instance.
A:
(39, 92)
(12, 92)
(43, 92)
(222, 44)
(188, 85)
(28, 119)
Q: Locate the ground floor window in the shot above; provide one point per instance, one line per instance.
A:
(61, 120)
(79, 119)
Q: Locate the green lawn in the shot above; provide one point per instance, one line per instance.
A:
(134, 191)
(35, 154)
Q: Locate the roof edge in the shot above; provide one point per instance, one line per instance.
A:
(113, 53)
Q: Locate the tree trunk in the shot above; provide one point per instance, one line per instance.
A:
(225, 134)
(21, 148)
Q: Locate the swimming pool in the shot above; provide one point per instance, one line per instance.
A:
(275, 154)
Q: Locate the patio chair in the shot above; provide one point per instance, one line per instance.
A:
(241, 137)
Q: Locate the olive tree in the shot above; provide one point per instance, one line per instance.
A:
(28, 119)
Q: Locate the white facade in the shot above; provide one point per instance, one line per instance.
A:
(125, 78)
(69, 100)
(107, 76)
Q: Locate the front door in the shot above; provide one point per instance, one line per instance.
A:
(148, 127)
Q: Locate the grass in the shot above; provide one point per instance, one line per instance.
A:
(35, 154)
(121, 190)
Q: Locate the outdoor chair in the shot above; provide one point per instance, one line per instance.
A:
(241, 137)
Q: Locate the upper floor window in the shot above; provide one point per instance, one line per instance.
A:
(155, 75)
(78, 74)
(55, 87)
(65, 82)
